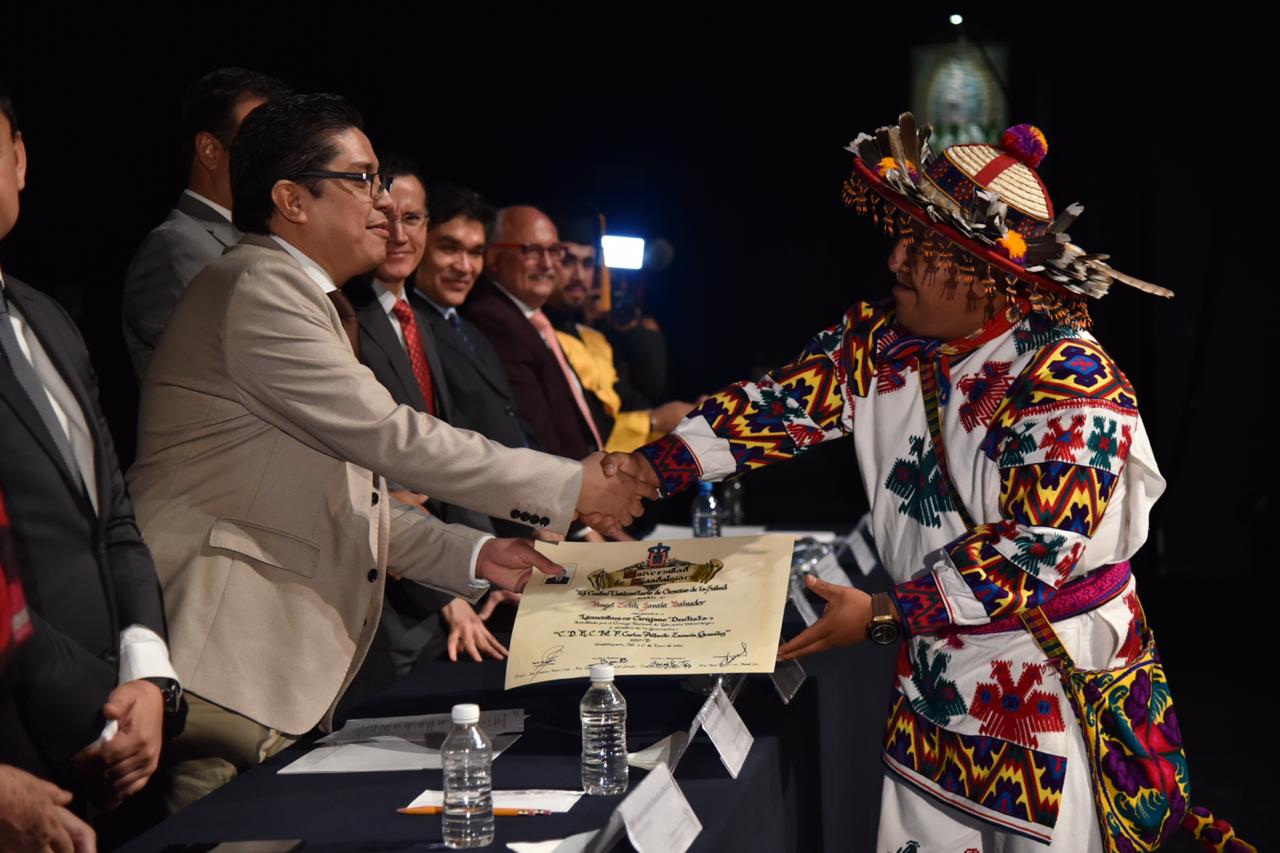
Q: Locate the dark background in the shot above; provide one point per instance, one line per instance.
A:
(722, 131)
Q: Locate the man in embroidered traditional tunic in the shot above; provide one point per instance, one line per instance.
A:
(1053, 481)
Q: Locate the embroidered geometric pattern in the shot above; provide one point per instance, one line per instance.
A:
(1017, 444)
(998, 775)
(920, 484)
(921, 604)
(1013, 711)
(1069, 374)
(1103, 443)
(1037, 330)
(983, 392)
(939, 700)
(1000, 587)
(864, 323)
(1054, 494)
(676, 465)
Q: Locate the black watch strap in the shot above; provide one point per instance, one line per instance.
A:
(172, 692)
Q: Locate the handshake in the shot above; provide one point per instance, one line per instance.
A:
(612, 487)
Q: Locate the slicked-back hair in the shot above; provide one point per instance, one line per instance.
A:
(7, 110)
(393, 165)
(278, 141)
(208, 105)
(450, 201)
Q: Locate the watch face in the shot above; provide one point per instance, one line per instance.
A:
(884, 633)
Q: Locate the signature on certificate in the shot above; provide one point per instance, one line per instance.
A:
(548, 659)
(726, 659)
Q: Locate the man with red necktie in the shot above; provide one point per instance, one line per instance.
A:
(398, 346)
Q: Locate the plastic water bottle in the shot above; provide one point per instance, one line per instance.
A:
(468, 794)
(706, 512)
(731, 499)
(604, 735)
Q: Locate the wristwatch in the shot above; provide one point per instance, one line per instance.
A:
(883, 628)
(175, 709)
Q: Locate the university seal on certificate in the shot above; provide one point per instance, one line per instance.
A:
(653, 608)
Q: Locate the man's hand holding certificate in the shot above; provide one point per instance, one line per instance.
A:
(684, 607)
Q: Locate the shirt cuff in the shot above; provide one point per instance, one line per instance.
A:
(478, 583)
(143, 654)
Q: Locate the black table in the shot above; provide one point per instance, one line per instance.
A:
(811, 782)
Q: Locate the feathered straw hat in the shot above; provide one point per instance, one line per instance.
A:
(985, 209)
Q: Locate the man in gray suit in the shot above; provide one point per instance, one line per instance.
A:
(199, 228)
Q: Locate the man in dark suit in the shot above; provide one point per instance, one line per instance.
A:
(397, 344)
(87, 695)
(199, 227)
(521, 265)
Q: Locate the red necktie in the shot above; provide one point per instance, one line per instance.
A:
(417, 355)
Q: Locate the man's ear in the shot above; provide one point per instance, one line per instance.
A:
(288, 199)
(20, 155)
(209, 150)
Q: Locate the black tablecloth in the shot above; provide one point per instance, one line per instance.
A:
(811, 782)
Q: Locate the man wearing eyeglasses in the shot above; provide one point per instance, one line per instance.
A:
(398, 344)
(259, 436)
(521, 268)
(451, 265)
(199, 227)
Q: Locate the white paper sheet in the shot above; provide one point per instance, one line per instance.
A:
(551, 800)
(573, 844)
(722, 724)
(492, 722)
(657, 816)
(379, 755)
(664, 751)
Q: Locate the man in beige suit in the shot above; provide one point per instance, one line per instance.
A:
(262, 445)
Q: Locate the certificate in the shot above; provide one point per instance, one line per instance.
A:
(653, 608)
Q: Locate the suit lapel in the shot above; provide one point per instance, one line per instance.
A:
(449, 338)
(377, 325)
(37, 317)
(427, 334)
(219, 229)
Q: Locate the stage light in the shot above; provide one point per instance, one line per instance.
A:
(623, 253)
(957, 20)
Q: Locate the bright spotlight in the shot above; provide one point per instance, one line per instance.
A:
(623, 253)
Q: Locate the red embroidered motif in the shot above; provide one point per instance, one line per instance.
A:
(1061, 443)
(1126, 441)
(984, 390)
(1068, 562)
(1015, 712)
(1132, 646)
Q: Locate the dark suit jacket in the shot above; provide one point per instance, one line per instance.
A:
(86, 575)
(543, 396)
(409, 622)
(191, 237)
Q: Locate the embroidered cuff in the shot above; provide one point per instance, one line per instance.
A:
(675, 464)
(922, 605)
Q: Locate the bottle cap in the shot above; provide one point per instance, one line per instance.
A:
(463, 714)
(601, 672)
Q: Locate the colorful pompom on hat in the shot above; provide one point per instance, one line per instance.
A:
(990, 207)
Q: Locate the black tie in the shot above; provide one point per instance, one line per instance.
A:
(34, 388)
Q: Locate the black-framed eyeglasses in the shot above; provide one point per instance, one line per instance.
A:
(532, 251)
(378, 182)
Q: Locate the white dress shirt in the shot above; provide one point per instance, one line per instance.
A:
(219, 209)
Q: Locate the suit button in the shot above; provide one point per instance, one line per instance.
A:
(373, 575)
(511, 412)
(515, 513)
(374, 498)
(524, 516)
(544, 521)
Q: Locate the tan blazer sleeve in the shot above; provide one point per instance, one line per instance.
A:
(425, 549)
(290, 366)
